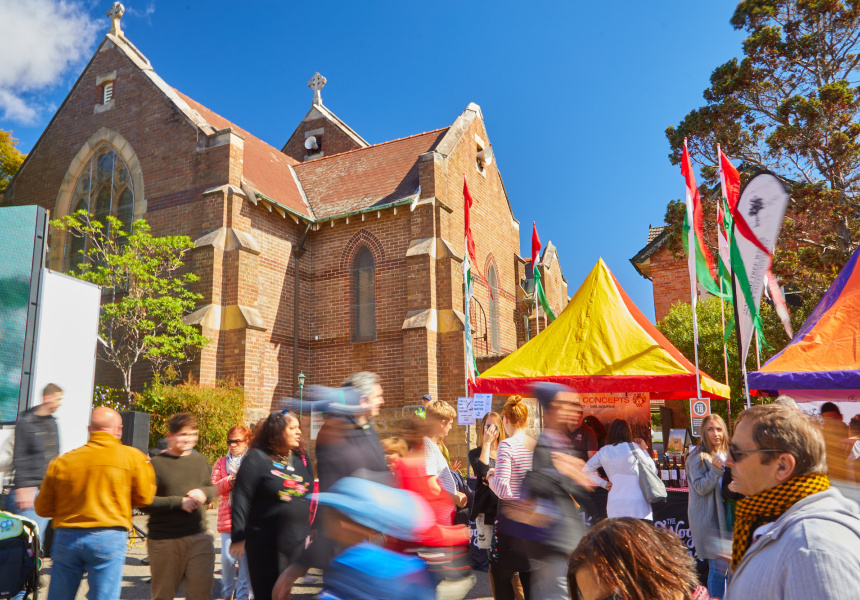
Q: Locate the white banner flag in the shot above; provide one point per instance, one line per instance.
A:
(762, 206)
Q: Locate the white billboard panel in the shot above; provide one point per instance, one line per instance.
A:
(65, 351)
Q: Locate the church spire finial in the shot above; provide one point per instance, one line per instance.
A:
(115, 13)
(316, 84)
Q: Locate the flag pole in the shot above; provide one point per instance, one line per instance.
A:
(691, 261)
(722, 300)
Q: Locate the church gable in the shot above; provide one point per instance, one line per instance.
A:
(321, 133)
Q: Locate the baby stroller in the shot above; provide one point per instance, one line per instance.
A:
(19, 556)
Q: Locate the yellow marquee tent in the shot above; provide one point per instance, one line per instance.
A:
(601, 342)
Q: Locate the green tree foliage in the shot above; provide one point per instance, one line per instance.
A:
(146, 295)
(11, 158)
(217, 410)
(789, 105)
(677, 326)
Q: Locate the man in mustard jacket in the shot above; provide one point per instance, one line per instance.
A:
(89, 493)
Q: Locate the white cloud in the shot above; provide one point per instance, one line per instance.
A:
(42, 41)
(145, 14)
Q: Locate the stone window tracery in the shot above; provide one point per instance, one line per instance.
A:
(363, 296)
(103, 188)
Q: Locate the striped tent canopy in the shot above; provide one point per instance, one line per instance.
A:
(825, 353)
(601, 342)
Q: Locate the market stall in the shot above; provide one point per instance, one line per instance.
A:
(608, 352)
(600, 343)
(822, 361)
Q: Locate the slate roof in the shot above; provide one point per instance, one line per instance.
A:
(657, 236)
(265, 168)
(365, 177)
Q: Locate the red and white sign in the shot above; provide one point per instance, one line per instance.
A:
(699, 409)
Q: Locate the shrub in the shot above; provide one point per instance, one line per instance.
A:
(114, 398)
(217, 409)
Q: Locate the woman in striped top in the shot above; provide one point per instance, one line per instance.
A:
(513, 461)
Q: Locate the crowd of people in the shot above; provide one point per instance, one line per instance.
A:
(395, 518)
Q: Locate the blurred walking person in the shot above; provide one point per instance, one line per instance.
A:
(224, 479)
(181, 550)
(795, 536)
(347, 445)
(621, 460)
(271, 502)
(37, 443)
(706, 509)
(513, 461)
(89, 492)
(555, 479)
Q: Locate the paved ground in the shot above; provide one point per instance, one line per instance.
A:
(135, 585)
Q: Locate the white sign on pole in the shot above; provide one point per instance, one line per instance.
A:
(465, 411)
(316, 423)
(483, 404)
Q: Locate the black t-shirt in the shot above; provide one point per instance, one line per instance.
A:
(271, 498)
(583, 441)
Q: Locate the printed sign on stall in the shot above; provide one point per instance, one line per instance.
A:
(699, 409)
(316, 423)
(465, 411)
(482, 405)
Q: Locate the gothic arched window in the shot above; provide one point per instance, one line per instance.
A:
(495, 331)
(362, 278)
(103, 188)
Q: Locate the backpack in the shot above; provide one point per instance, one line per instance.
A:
(19, 554)
(368, 572)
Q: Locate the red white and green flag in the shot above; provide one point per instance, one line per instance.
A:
(700, 259)
(468, 283)
(540, 295)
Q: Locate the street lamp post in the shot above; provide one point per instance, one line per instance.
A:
(301, 392)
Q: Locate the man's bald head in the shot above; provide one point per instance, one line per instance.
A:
(107, 420)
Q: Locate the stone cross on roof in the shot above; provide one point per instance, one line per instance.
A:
(316, 84)
(115, 13)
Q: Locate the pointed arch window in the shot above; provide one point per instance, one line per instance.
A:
(363, 296)
(104, 188)
(495, 330)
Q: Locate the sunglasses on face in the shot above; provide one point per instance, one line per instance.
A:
(738, 455)
(231, 442)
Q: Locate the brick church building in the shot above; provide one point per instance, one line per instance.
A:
(327, 256)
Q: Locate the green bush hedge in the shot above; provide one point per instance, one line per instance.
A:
(217, 409)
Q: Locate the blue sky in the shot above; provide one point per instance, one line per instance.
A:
(576, 96)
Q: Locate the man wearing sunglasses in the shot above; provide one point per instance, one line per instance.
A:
(794, 535)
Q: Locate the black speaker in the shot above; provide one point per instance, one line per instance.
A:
(135, 429)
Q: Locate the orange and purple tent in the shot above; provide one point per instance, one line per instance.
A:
(601, 342)
(825, 353)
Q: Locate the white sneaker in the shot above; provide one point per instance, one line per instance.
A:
(455, 589)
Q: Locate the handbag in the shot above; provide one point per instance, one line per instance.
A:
(652, 486)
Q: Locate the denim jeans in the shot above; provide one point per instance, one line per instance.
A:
(30, 513)
(229, 581)
(549, 577)
(98, 552)
(717, 570)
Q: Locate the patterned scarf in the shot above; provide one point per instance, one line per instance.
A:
(768, 506)
(233, 463)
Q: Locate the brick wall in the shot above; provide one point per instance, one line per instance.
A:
(670, 278)
(333, 139)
